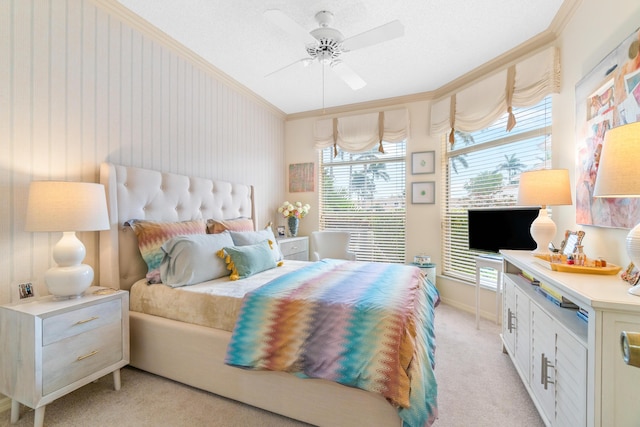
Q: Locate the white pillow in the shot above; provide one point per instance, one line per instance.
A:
(192, 259)
(244, 238)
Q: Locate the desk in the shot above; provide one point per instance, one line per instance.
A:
(494, 262)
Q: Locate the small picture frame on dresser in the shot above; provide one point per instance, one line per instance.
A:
(281, 231)
(631, 274)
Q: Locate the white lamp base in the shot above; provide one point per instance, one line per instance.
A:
(69, 278)
(543, 230)
(633, 250)
(69, 281)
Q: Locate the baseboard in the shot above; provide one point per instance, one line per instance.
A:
(5, 403)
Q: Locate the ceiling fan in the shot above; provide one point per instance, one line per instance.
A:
(326, 45)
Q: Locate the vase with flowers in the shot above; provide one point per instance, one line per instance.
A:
(293, 212)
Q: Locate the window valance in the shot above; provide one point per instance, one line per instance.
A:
(361, 132)
(477, 106)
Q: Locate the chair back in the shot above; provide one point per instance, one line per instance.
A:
(331, 244)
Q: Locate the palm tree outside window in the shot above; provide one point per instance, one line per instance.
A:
(482, 170)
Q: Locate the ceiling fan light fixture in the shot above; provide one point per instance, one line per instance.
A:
(325, 50)
(330, 44)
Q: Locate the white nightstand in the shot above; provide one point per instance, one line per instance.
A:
(295, 247)
(51, 347)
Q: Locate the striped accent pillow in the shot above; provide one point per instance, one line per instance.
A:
(152, 235)
(215, 226)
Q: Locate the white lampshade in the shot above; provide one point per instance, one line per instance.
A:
(619, 176)
(67, 207)
(543, 188)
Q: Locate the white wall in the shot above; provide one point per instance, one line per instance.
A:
(81, 84)
(591, 33)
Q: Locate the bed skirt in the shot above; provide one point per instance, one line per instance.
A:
(194, 355)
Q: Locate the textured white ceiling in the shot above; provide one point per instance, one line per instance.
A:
(444, 39)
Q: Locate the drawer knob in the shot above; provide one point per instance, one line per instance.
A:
(93, 353)
(80, 322)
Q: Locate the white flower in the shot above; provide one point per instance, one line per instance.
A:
(295, 209)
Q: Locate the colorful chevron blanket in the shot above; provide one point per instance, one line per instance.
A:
(365, 325)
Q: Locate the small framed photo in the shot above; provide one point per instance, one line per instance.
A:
(423, 192)
(281, 231)
(630, 274)
(26, 290)
(423, 162)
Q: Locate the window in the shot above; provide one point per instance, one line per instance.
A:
(483, 170)
(364, 193)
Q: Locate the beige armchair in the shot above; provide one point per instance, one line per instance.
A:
(331, 244)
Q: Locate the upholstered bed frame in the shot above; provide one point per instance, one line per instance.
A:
(193, 354)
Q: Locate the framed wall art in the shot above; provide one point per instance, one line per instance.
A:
(423, 162)
(301, 177)
(607, 97)
(423, 192)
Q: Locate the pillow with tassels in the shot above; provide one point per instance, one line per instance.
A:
(245, 261)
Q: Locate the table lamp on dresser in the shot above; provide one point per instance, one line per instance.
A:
(55, 206)
(618, 176)
(545, 187)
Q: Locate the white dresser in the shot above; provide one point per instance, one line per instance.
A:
(572, 369)
(296, 248)
(50, 347)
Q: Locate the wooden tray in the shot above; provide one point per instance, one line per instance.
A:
(568, 268)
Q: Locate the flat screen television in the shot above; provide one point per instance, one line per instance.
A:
(492, 229)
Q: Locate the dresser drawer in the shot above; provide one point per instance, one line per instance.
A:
(71, 359)
(75, 322)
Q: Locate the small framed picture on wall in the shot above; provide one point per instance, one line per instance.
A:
(423, 192)
(423, 162)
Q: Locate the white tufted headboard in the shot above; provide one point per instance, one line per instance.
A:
(134, 193)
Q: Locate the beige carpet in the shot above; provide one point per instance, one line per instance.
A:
(477, 383)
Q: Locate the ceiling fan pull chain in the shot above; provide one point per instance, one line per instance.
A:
(323, 66)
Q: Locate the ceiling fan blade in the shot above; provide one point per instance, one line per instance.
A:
(304, 61)
(285, 23)
(348, 75)
(388, 31)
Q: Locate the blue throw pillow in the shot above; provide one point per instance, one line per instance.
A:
(245, 261)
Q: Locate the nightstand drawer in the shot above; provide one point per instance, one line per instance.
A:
(65, 325)
(291, 247)
(73, 358)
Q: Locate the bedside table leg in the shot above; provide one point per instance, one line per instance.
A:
(116, 379)
(15, 411)
(38, 419)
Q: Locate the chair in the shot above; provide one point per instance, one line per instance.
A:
(331, 244)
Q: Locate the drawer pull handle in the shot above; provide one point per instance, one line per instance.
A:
(80, 322)
(93, 353)
(294, 247)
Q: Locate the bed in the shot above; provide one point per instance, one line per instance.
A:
(194, 354)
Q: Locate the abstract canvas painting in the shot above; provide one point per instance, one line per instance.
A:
(301, 177)
(607, 97)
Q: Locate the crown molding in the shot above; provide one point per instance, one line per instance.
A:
(566, 11)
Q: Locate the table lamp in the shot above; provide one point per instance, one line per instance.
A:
(545, 187)
(619, 177)
(67, 207)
